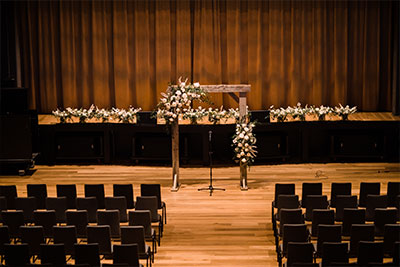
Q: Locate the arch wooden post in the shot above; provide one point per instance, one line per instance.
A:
(175, 156)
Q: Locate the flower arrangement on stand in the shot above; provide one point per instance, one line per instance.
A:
(104, 115)
(244, 143)
(344, 112)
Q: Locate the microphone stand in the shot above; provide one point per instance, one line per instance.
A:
(210, 187)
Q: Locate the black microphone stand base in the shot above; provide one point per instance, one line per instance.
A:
(211, 188)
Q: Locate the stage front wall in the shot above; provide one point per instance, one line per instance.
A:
(121, 53)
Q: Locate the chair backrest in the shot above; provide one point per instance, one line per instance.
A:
(90, 205)
(369, 252)
(68, 191)
(299, 252)
(101, 235)
(134, 235)
(360, 232)
(117, 203)
(393, 190)
(53, 254)
(4, 238)
(59, 205)
(27, 205)
(290, 216)
(16, 255)
(79, 219)
(383, 217)
(342, 202)
(87, 254)
(10, 193)
(334, 252)
(148, 203)
(96, 190)
(321, 216)
(33, 236)
(66, 235)
(39, 191)
(126, 253)
(368, 189)
(111, 218)
(350, 217)
(309, 189)
(141, 218)
(328, 233)
(125, 190)
(294, 233)
(47, 219)
(343, 189)
(283, 189)
(13, 219)
(391, 236)
(315, 202)
(152, 190)
(288, 202)
(373, 202)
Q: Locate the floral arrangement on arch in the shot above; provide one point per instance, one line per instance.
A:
(244, 143)
(177, 100)
(104, 115)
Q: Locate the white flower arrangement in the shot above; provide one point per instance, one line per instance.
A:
(281, 114)
(244, 143)
(321, 111)
(344, 112)
(126, 116)
(177, 100)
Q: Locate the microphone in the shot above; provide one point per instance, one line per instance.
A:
(209, 135)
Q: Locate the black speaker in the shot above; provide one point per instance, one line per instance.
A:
(15, 137)
(13, 100)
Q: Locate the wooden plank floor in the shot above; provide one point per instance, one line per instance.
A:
(231, 228)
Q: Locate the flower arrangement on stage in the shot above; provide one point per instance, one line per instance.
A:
(321, 112)
(177, 100)
(298, 112)
(121, 115)
(244, 143)
(280, 114)
(344, 112)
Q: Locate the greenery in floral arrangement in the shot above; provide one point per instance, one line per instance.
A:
(179, 97)
(344, 112)
(83, 114)
(321, 112)
(280, 114)
(194, 115)
(244, 143)
(103, 114)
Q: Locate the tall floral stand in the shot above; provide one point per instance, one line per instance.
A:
(175, 156)
(243, 177)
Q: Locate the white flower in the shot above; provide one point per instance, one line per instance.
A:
(182, 84)
(196, 85)
(246, 137)
(241, 135)
(244, 160)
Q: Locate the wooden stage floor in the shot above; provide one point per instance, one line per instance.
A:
(231, 228)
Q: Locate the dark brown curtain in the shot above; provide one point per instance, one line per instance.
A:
(121, 53)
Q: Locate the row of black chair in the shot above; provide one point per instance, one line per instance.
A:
(336, 254)
(39, 191)
(84, 254)
(34, 236)
(366, 188)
